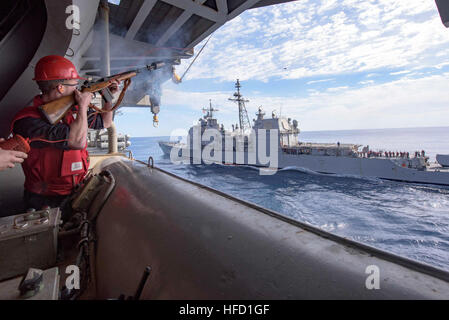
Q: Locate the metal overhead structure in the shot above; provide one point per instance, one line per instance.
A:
(141, 32)
(443, 8)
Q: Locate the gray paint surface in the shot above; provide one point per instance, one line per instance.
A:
(55, 40)
(204, 245)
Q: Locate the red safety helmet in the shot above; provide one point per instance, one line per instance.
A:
(55, 68)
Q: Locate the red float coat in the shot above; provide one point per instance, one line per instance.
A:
(52, 171)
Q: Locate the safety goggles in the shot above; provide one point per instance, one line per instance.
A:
(71, 84)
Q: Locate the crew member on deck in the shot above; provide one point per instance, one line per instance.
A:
(58, 160)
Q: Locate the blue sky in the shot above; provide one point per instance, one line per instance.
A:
(332, 65)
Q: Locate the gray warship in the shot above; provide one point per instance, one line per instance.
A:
(142, 232)
(337, 158)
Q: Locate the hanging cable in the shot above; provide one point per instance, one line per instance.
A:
(199, 52)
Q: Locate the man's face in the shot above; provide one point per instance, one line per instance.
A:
(68, 87)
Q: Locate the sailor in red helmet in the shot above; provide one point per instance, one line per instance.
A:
(54, 168)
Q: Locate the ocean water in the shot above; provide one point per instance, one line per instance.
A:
(411, 220)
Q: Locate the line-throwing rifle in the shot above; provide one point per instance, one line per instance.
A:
(57, 109)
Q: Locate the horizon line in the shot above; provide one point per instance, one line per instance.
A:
(329, 130)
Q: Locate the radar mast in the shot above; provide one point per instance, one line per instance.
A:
(210, 111)
(244, 123)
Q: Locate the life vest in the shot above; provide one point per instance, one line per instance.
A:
(52, 171)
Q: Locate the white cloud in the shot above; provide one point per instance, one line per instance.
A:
(335, 89)
(401, 103)
(326, 37)
(318, 81)
(441, 65)
(322, 39)
(327, 5)
(399, 72)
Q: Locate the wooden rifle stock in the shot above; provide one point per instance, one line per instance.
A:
(55, 110)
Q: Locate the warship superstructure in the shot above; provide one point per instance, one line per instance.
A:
(289, 152)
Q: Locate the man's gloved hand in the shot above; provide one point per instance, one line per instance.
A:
(8, 158)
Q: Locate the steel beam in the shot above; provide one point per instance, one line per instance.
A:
(246, 5)
(196, 8)
(144, 11)
(223, 19)
(222, 6)
(176, 25)
(204, 35)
